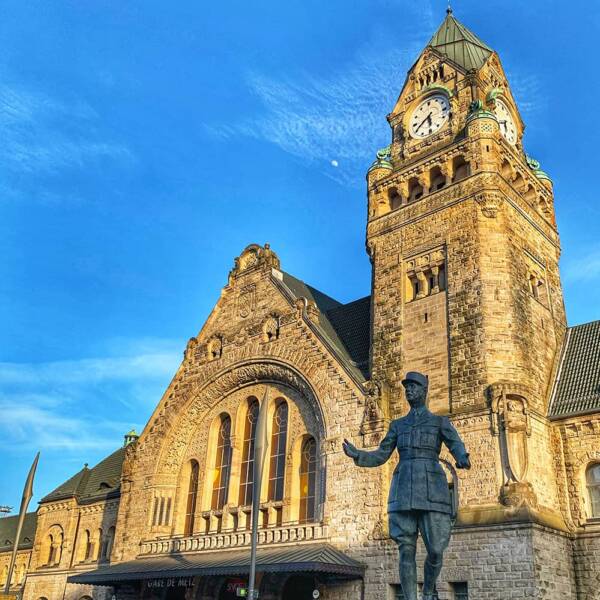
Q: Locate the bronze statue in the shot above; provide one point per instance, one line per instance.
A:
(419, 498)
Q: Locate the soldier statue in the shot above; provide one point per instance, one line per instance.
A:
(419, 498)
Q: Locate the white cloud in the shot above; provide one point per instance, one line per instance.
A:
(31, 427)
(87, 403)
(528, 91)
(43, 134)
(583, 269)
(340, 114)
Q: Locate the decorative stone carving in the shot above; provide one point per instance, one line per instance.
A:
(511, 423)
(374, 422)
(270, 328)
(207, 394)
(425, 274)
(214, 348)
(254, 256)
(190, 348)
(490, 203)
(246, 301)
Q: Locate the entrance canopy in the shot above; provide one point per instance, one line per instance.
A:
(306, 558)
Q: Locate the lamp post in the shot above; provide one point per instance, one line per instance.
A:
(260, 453)
(27, 494)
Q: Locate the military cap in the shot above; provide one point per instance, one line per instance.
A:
(416, 378)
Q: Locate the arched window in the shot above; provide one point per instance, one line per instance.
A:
(592, 477)
(222, 464)
(51, 549)
(461, 168)
(192, 496)
(395, 199)
(89, 545)
(308, 480)
(4, 575)
(437, 178)
(278, 447)
(52, 545)
(415, 189)
(247, 467)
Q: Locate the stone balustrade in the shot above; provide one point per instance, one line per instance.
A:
(234, 539)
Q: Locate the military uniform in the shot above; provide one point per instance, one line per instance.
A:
(419, 481)
(419, 498)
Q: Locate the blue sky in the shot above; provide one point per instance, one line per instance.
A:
(144, 144)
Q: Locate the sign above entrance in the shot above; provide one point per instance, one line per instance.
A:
(171, 582)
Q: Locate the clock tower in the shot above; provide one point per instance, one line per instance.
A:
(464, 247)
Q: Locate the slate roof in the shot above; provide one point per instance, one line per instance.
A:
(352, 323)
(90, 485)
(577, 386)
(459, 44)
(8, 532)
(313, 558)
(345, 326)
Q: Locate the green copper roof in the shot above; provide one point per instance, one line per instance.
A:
(460, 45)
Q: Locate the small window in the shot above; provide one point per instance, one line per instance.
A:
(394, 198)
(399, 594)
(592, 477)
(460, 590)
(415, 190)
(461, 168)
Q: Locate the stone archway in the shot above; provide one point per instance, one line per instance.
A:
(199, 400)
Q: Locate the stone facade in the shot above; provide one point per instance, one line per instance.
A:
(466, 288)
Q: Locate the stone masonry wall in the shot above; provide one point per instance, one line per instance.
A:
(497, 563)
(425, 347)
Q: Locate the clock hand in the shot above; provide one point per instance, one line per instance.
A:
(428, 117)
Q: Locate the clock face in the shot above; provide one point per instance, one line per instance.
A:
(430, 116)
(507, 126)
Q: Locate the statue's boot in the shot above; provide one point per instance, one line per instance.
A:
(431, 573)
(408, 571)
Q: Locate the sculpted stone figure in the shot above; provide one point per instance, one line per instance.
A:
(419, 499)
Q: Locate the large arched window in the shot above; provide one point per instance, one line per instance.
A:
(192, 496)
(592, 477)
(278, 447)
(222, 464)
(247, 467)
(308, 480)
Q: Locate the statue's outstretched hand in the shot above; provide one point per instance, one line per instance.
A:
(349, 449)
(463, 463)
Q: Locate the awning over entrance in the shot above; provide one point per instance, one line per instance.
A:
(306, 558)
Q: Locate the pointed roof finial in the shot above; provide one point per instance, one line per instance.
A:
(449, 9)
